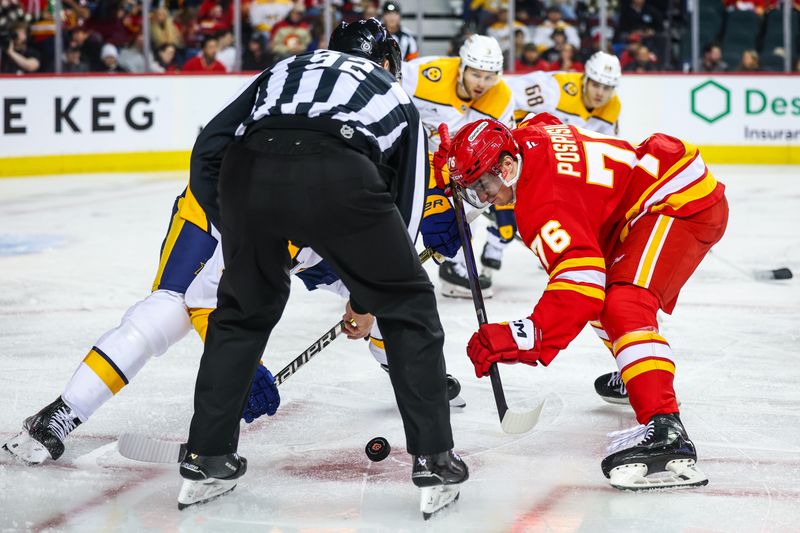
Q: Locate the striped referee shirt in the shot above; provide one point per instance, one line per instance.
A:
(347, 96)
(408, 44)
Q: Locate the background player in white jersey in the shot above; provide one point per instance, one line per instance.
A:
(457, 91)
(584, 99)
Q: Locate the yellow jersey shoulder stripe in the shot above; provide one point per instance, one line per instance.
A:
(189, 209)
(436, 82)
(496, 101)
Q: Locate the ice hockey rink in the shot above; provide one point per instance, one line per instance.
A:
(76, 251)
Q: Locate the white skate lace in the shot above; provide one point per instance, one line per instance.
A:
(460, 270)
(628, 438)
(62, 423)
(615, 382)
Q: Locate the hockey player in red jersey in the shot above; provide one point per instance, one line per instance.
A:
(619, 229)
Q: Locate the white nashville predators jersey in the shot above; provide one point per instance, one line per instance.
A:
(559, 93)
(431, 82)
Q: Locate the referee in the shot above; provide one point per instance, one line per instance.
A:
(325, 150)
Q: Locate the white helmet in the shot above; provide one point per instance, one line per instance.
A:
(482, 53)
(603, 68)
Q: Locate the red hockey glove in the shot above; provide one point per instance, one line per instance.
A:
(440, 160)
(510, 343)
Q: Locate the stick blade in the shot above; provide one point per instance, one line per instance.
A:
(516, 422)
(149, 450)
(778, 273)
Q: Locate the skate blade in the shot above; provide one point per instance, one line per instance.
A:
(616, 401)
(458, 402)
(623, 401)
(451, 290)
(26, 449)
(435, 499)
(679, 473)
(199, 492)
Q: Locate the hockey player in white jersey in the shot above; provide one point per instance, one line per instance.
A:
(184, 294)
(177, 302)
(585, 99)
(457, 91)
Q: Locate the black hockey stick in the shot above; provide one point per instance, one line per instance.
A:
(760, 275)
(510, 421)
(152, 450)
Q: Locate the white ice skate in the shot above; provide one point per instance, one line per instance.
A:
(207, 477)
(435, 499)
(439, 476)
(27, 449)
(198, 492)
(43, 434)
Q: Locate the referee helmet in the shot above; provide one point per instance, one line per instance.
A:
(368, 39)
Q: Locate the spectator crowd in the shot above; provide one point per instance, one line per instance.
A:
(197, 35)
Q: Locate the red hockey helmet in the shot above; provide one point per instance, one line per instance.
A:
(474, 159)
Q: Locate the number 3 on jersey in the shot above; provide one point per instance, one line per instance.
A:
(554, 236)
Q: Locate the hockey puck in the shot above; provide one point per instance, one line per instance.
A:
(782, 273)
(378, 449)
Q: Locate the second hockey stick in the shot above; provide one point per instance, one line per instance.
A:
(152, 450)
(511, 421)
(757, 274)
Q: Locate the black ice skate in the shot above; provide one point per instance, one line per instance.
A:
(453, 390)
(656, 456)
(206, 477)
(491, 258)
(439, 476)
(455, 283)
(44, 434)
(611, 388)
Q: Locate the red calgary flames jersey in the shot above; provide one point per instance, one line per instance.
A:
(579, 194)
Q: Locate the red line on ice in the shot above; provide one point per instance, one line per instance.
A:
(61, 518)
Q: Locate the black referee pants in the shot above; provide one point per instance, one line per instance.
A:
(314, 190)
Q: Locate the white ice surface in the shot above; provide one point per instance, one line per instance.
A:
(76, 251)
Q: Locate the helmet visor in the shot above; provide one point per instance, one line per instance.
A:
(483, 191)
